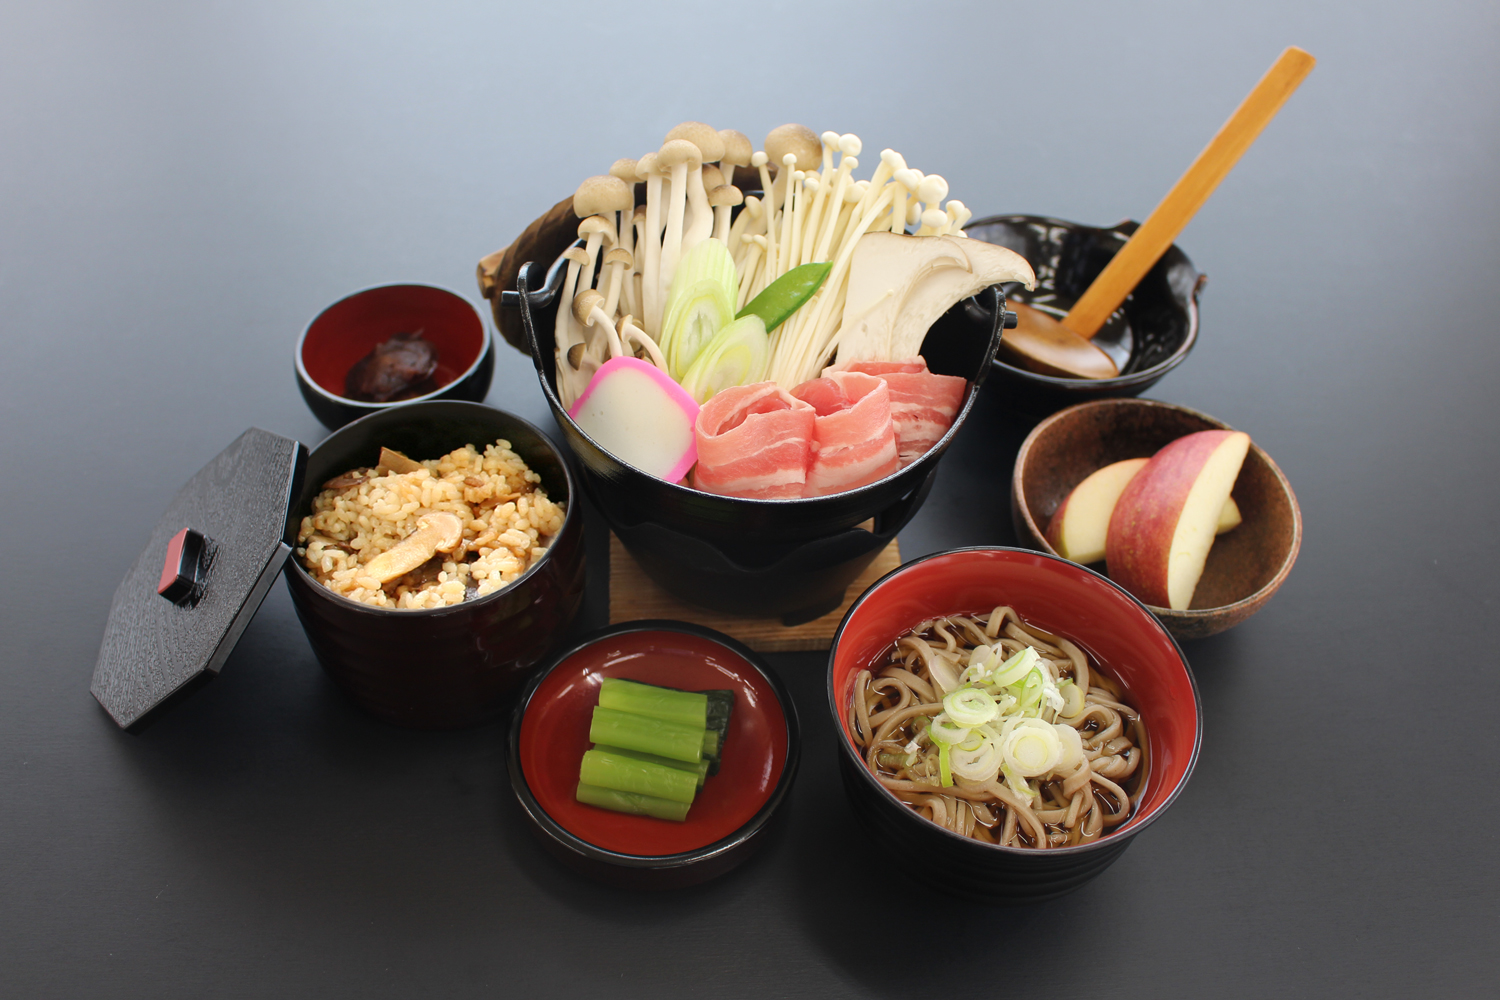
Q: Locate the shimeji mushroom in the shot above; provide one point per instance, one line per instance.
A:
(723, 198)
(748, 219)
(594, 230)
(679, 156)
(648, 170)
(565, 333)
(604, 196)
(624, 169)
(737, 153)
(801, 144)
(810, 209)
(599, 333)
(710, 149)
(798, 142)
(618, 260)
(632, 293)
(630, 332)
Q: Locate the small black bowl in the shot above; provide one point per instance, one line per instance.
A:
(791, 559)
(440, 668)
(1062, 597)
(350, 328)
(732, 813)
(1149, 335)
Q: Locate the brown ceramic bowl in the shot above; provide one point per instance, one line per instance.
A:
(1245, 566)
(440, 668)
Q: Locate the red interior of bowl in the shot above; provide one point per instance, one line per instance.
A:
(555, 734)
(1060, 597)
(350, 328)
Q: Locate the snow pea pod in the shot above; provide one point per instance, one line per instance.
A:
(787, 294)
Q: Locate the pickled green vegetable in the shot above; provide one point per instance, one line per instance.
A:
(629, 802)
(630, 774)
(637, 732)
(687, 707)
(700, 768)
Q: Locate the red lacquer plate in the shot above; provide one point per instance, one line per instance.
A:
(550, 734)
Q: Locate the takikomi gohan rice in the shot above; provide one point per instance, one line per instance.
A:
(438, 533)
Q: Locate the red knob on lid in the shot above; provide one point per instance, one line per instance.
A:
(183, 570)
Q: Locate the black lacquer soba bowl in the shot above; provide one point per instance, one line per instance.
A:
(1147, 336)
(788, 558)
(1054, 594)
(441, 668)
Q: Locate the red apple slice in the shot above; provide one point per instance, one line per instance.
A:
(1079, 527)
(1230, 517)
(1166, 517)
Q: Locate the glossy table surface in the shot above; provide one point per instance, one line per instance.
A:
(183, 187)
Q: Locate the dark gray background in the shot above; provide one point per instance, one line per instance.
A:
(183, 186)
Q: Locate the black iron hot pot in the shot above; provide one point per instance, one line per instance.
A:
(791, 559)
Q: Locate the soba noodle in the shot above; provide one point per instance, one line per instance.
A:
(1028, 749)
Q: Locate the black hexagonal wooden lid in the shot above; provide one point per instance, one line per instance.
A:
(212, 557)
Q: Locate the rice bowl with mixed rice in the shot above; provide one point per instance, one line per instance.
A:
(504, 514)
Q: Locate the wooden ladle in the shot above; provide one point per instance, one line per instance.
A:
(1048, 347)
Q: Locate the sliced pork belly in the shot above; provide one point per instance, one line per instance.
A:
(854, 441)
(923, 405)
(754, 441)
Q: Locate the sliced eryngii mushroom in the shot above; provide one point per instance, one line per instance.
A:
(436, 532)
(899, 285)
(394, 461)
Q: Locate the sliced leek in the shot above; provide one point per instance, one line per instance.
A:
(699, 304)
(739, 354)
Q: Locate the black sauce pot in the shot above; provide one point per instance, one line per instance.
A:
(791, 559)
(1147, 336)
(442, 668)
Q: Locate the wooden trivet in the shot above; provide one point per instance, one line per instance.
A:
(633, 594)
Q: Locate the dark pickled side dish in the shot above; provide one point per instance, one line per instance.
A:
(399, 368)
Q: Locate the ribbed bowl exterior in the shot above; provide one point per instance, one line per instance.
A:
(452, 667)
